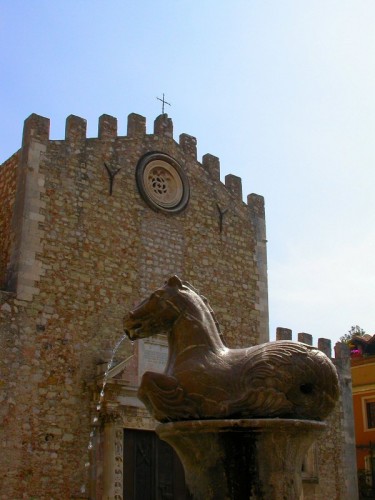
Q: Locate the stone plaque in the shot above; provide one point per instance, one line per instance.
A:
(153, 355)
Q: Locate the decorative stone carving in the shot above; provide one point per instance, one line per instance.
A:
(204, 379)
(162, 183)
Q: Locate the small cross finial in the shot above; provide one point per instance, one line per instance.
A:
(164, 102)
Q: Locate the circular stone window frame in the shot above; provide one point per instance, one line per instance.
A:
(149, 192)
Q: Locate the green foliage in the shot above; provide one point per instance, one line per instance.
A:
(355, 331)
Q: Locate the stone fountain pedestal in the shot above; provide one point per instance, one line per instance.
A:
(257, 459)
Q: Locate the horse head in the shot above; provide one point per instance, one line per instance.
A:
(157, 313)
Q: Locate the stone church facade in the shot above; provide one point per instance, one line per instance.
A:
(88, 227)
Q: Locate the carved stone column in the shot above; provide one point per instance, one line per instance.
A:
(113, 461)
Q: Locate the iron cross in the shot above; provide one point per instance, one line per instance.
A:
(164, 102)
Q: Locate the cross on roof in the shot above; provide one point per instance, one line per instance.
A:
(164, 102)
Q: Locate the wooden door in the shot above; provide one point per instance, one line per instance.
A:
(152, 470)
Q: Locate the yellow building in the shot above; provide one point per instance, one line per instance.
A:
(363, 380)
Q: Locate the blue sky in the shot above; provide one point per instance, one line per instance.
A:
(281, 91)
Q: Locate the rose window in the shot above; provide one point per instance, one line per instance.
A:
(162, 183)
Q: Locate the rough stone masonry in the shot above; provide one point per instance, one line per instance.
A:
(88, 226)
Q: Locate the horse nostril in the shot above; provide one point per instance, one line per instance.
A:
(306, 388)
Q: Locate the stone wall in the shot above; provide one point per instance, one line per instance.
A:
(8, 177)
(85, 246)
(330, 470)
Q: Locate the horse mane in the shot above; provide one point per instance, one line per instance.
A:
(210, 310)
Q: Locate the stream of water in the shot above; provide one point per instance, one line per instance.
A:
(99, 405)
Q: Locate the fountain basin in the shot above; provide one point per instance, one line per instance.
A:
(242, 459)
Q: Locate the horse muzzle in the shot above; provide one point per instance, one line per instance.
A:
(135, 328)
(131, 325)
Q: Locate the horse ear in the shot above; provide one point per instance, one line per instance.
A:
(174, 281)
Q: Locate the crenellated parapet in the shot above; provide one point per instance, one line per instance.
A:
(256, 204)
(75, 129)
(136, 125)
(38, 128)
(234, 185)
(189, 144)
(107, 129)
(212, 165)
(341, 350)
(163, 126)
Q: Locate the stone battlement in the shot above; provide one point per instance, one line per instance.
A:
(324, 345)
(38, 128)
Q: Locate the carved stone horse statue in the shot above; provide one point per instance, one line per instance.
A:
(204, 379)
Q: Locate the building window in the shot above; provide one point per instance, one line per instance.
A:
(370, 412)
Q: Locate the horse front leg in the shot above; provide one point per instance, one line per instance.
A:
(164, 397)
